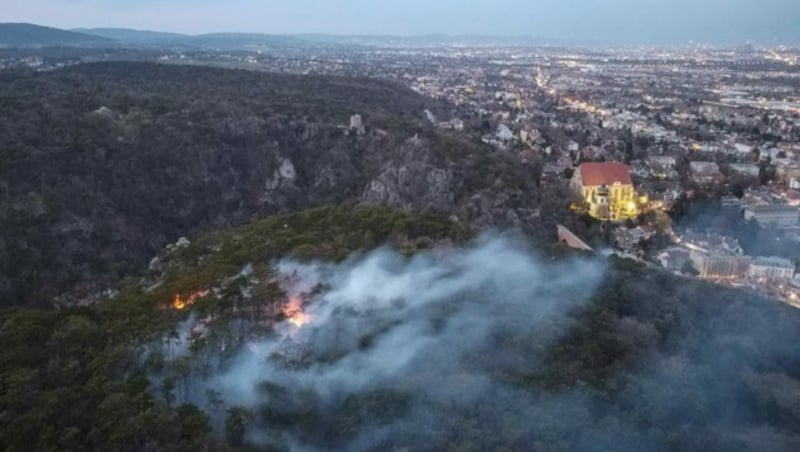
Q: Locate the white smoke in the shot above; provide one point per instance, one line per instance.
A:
(430, 325)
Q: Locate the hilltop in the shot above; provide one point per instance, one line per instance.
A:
(208, 41)
(132, 36)
(31, 35)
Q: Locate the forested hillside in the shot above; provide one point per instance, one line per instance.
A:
(102, 165)
(293, 342)
(78, 378)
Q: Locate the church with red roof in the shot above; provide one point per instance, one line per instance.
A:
(605, 190)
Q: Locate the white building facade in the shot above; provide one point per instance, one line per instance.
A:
(771, 268)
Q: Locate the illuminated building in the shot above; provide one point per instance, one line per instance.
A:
(787, 172)
(771, 268)
(716, 257)
(705, 172)
(718, 264)
(663, 167)
(606, 190)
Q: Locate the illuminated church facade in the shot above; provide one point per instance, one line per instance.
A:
(606, 190)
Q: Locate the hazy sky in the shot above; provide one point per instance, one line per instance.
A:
(678, 21)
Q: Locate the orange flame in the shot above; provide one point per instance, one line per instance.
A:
(181, 304)
(178, 303)
(294, 313)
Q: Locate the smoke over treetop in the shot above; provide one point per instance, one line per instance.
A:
(419, 333)
(483, 344)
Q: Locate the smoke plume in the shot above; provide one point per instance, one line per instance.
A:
(395, 344)
(490, 347)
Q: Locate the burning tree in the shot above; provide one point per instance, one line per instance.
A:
(293, 311)
(180, 303)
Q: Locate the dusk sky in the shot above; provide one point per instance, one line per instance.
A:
(612, 21)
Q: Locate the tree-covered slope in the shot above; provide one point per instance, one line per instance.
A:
(101, 165)
(74, 379)
(504, 347)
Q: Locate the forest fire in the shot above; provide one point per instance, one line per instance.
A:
(294, 312)
(181, 303)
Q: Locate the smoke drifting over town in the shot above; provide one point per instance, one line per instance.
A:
(418, 336)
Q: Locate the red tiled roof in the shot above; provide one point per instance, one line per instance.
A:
(604, 173)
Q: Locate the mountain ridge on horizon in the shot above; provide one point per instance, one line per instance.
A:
(25, 35)
(138, 35)
(18, 34)
(28, 35)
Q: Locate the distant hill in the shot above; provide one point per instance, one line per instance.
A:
(243, 41)
(430, 40)
(209, 41)
(30, 35)
(131, 36)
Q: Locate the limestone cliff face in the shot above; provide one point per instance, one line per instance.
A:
(412, 178)
(472, 185)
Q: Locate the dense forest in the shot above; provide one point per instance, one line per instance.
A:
(102, 165)
(77, 378)
(573, 353)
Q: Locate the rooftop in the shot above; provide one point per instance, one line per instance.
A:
(704, 167)
(773, 262)
(605, 173)
(769, 208)
(711, 243)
